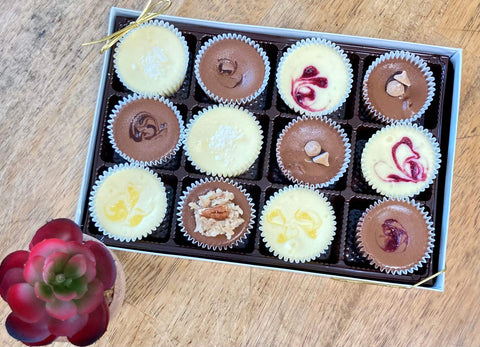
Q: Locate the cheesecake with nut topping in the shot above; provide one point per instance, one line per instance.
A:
(215, 213)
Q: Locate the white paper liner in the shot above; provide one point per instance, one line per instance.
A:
(231, 36)
(93, 196)
(168, 90)
(210, 172)
(415, 60)
(166, 157)
(384, 267)
(346, 143)
(314, 41)
(272, 249)
(421, 187)
(190, 236)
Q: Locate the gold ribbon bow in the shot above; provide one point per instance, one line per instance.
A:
(396, 285)
(145, 16)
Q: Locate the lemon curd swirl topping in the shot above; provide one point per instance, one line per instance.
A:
(124, 207)
(303, 221)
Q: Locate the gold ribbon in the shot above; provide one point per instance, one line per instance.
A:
(145, 16)
(391, 285)
(429, 278)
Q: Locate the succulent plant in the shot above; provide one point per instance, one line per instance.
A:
(57, 288)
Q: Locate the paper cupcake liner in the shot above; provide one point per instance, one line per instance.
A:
(385, 268)
(314, 41)
(230, 36)
(192, 239)
(93, 196)
(436, 149)
(272, 249)
(166, 157)
(240, 170)
(415, 60)
(346, 161)
(166, 91)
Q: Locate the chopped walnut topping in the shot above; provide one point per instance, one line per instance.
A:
(216, 214)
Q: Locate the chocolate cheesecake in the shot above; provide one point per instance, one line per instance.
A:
(192, 212)
(231, 69)
(146, 130)
(395, 235)
(397, 88)
(313, 151)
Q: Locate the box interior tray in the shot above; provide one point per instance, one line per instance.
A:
(350, 196)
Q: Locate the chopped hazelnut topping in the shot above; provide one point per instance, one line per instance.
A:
(403, 78)
(321, 159)
(395, 88)
(312, 148)
(397, 84)
(314, 151)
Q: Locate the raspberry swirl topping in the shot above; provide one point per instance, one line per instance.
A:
(305, 88)
(410, 168)
(393, 237)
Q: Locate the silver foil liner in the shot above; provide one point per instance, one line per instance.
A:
(436, 165)
(231, 36)
(166, 157)
(209, 171)
(190, 237)
(272, 249)
(386, 268)
(314, 41)
(169, 90)
(346, 161)
(415, 60)
(93, 195)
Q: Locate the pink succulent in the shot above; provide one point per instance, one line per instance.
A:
(57, 289)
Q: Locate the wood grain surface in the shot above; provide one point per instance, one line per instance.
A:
(49, 84)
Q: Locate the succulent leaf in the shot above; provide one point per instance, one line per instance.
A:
(57, 289)
(53, 268)
(33, 271)
(79, 248)
(11, 277)
(95, 327)
(28, 333)
(106, 269)
(47, 247)
(76, 266)
(67, 327)
(61, 228)
(44, 292)
(61, 309)
(92, 298)
(24, 303)
(14, 259)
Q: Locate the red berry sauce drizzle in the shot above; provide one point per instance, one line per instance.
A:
(304, 88)
(394, 236)
(410, 169)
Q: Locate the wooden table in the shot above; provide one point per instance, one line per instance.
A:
(48, 92)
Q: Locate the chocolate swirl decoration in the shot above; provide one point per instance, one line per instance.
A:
(144, 126)
(306, 87)
(228, 74)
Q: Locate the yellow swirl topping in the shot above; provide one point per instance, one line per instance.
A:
(297, 224)
(130, 203)
(304, 221)
(124, 207)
